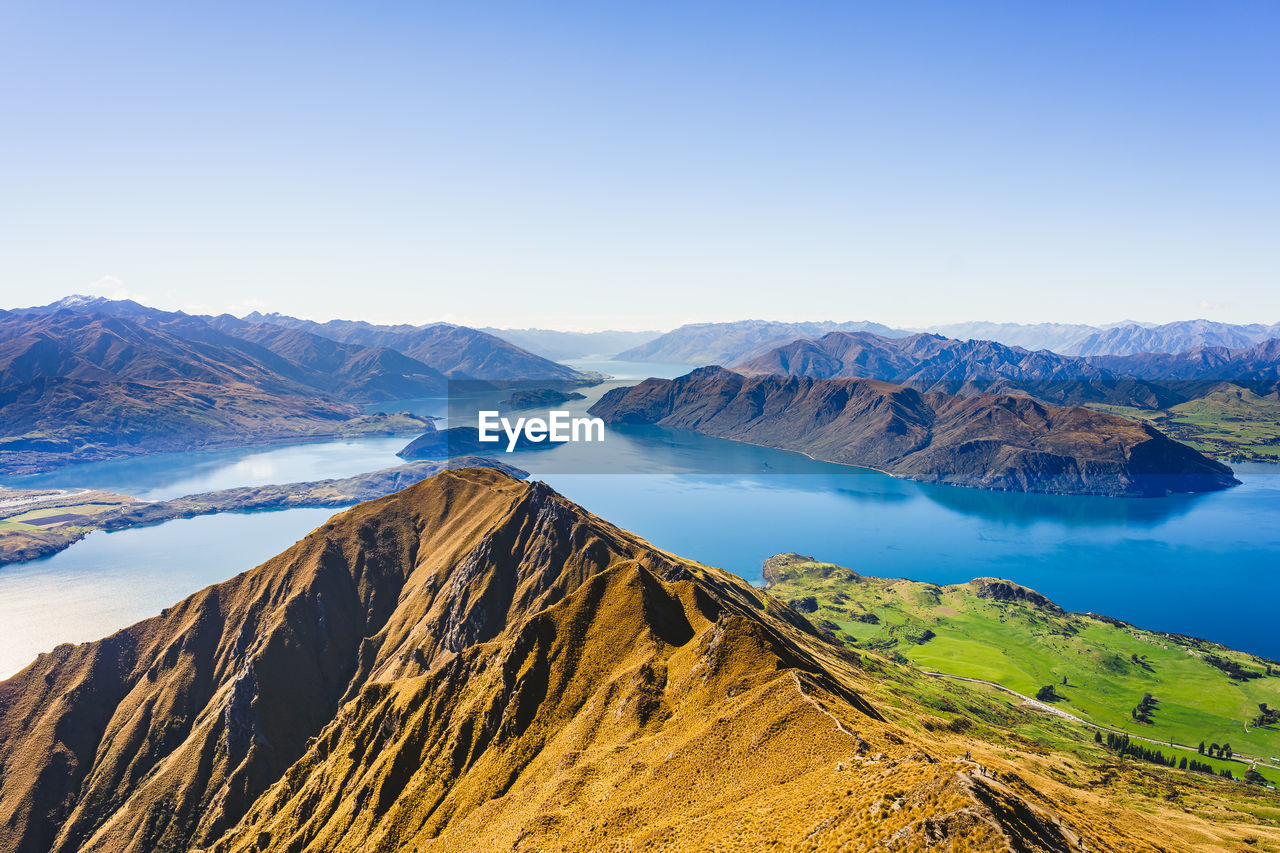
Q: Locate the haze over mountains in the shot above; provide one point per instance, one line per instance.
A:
(734, 342)
(1118, 339)
(475, 663)
(727, 343)
(562, 346)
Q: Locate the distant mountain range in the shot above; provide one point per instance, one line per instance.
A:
(1057, 337)
(563, 346)
(1009, 443)
(1174, 337)
(934, 363)
(729, 343)
(1256, 366)
(1116, 339)
(86, 379)
(735, 342)
(456, 351)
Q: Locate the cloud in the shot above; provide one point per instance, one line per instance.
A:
(1206, 305)
(239, 308)
(114, 286)
(107, 282)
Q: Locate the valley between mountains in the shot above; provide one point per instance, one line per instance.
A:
(476, 663)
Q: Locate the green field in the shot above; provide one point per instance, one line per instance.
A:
(51, 522)
(1025, 643)
(1230, 423)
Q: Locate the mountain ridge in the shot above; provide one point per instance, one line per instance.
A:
(934, 363)
(459, 352)
(477, 663)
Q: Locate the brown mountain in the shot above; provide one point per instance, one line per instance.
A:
(103, 347)
(111, 379)
(52, 422)
(934, 363)
(104, 341)
(1010, 443)
(477, 664)
(352, 371)
(458, 352)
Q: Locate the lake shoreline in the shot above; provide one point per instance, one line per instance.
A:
(318, 494)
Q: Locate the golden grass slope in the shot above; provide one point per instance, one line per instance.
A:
(475, 663)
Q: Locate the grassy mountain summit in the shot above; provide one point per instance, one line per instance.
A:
(475, 663)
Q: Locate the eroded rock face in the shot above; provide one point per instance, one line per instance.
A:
(1008, 443)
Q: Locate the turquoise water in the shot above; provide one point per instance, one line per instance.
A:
(111, 580)
(162, 476)
(1203, 565)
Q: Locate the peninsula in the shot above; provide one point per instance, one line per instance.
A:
(990, 441)
(37, 524)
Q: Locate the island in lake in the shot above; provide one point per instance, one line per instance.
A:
(537, 397)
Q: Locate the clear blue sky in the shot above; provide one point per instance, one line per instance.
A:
(646, 164)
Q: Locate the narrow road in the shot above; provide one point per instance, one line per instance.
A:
(1246, 760)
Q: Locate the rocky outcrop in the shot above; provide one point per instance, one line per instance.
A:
(997, 589)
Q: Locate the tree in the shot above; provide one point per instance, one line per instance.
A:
(1097, 737)
(1182, 765)
(1200, 748)
(1226, 751)
(1047, 693)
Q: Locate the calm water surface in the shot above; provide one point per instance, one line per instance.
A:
(1204, 565)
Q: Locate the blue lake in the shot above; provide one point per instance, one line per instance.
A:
(1203, 565)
